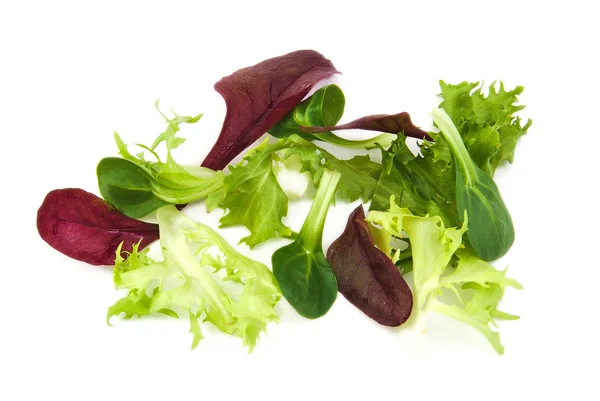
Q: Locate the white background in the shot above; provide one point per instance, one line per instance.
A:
(73, 72)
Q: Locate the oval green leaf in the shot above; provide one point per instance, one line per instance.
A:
(490, 227)
(304, 275)
(306, 280)
(127, 187)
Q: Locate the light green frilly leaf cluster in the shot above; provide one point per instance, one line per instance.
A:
(253, 197)
(488, 124)
(182, 285)
(478, 286)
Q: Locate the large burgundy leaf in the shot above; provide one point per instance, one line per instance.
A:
(257, 97)
(391, 123)
(87, 228)
(366, 276)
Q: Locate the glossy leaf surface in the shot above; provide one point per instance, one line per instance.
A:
(366, 276)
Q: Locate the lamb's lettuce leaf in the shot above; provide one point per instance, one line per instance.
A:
(491, 231)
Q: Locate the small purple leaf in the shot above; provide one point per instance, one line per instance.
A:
(87, 228)
(257, 97)
(390, 123)
(366, 276)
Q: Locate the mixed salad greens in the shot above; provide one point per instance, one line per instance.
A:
(434, 222)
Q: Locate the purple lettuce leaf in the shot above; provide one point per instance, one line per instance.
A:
(390, 123)
(366, 276)
(85, 227)
(257, 97)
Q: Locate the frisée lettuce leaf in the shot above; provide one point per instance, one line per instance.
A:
(184, 286)
(478, 287)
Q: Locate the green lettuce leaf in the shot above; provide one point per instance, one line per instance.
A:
(359, 175)
(479, 287)
(180, 284)
(488, 124)
(424, 184)
(168, 173)
(432, 246)
(253, 197)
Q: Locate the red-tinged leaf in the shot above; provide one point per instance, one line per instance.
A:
(366, 276)
(257, 97)
(390, 123)
(87, 228)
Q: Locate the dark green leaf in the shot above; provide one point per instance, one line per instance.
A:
(491, 231)
(305, 277)
(490, 228)
(127, 186)
(324, 107)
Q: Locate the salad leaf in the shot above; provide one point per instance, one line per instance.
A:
(137, 186)
(127, 186)
(488, 124)
(184, 287)
(306, 279)
(84, 227)
(478, 286)
(359, 175)
(366, 276)
(424, 184)
(253, 197)
(324, 108)
(491, 231)
(432, 245)
(391, 123)
(257, 97)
